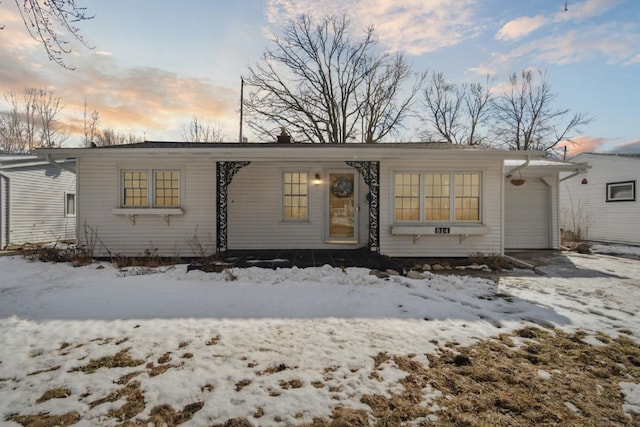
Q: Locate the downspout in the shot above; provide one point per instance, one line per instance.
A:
(517, 168)
(5, 235)
(60, 165)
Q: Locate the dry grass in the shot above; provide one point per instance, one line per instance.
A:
(496, 383)
(46, 420)
(119, 360)
(529, 377)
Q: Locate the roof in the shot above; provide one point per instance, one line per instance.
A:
(12, 161)
(271, 151)
(544, 165)
(625, 155)
(245, 145)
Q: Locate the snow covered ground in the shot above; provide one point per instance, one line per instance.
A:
(280, 347)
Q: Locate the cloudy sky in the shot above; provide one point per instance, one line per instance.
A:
(155, 64)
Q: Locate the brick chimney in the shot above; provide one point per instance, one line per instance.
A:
(284, 137)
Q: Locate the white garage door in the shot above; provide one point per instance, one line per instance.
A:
(527, 223)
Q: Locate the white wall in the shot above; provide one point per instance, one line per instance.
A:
(255, 208)
(191, 234)
(36, 204)
(584, 206)
(4, 210)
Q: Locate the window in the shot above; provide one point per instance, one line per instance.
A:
(621, 191)
(295, 196)
(438, 196)
(69, 204)
(167, 189)
(163, 190)
(467, 196)
(407, 197)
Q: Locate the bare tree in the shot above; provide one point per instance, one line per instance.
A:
(200, 132)
(524, 118)
(477, 102)
(11, 127)
(323, 86)
(32, 122)
(52, 132)
(48, 21)
(29, 118)
(90, 125)
(443, 101)
(381, 114)
(454, 112)
(109, 136)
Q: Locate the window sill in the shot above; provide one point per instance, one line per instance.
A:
(417, 230)
(133, 212)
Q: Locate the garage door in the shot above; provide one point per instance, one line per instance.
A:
(527, 223)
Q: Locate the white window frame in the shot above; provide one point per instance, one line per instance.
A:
(452, 198)
(283, 205)
(612, 185)
(151, 188)
(66, 204)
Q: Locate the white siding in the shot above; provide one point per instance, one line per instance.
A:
(36, 203)
(255, 200)
(4, 211)
(584, 206)
(443, 245)
(191, 234)
(255, 208)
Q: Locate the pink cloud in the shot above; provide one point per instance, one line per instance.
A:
(583, 144)
(520, 27)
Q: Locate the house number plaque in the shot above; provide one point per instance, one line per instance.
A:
(443, 230)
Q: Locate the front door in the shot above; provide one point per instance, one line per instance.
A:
(342, 209)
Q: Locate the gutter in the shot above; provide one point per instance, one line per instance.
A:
(578, 171)
(509, 174)
(60, 165)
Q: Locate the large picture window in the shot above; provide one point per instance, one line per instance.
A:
(295, 196)
(437, 197)
(150, 188)
(621, 191)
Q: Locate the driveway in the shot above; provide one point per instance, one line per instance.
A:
(603, 289)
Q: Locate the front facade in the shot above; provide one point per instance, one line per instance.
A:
(37, 201)
(602, 205)
(179, 199)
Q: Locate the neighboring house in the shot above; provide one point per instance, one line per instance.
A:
(602, 205)
(37, 200)
(408, 199)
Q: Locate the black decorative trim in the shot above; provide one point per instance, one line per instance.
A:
(370, 172)
(224, 174)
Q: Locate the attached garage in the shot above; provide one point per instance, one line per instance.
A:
(528, 215)
(531, 200)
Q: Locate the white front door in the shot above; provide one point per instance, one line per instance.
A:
(342, 208)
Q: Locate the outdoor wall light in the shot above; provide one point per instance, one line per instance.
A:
(317, 180)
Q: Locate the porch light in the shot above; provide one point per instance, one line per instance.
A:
(317, 180)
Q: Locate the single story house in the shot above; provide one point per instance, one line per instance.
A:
(602, 204)
(401, 199)
(37, 200)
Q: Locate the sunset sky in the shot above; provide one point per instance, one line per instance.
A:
(158, 63)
